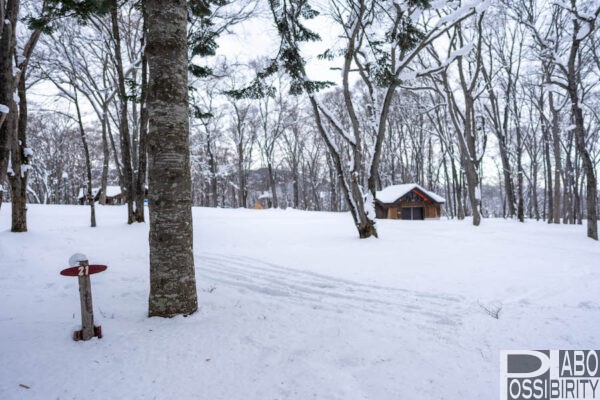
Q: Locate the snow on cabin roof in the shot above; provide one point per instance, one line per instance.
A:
(265, 195)
(392, 193)
(112, 191)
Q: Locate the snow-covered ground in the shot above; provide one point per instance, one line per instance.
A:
(292, 306)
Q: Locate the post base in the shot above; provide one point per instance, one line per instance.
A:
(78, 335)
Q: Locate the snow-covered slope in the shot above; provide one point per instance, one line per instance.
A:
(292, 306)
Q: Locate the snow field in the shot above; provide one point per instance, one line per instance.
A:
(292, 306)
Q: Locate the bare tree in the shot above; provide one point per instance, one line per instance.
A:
(293, 143)
(504, 48)
(126, 148)
(467, 124)
(243, 134)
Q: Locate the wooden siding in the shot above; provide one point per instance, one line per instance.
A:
(415, 198)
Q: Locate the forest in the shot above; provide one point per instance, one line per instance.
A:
(493, 104)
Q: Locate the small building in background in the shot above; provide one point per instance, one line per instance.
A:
(265, 200)
(114, 195)
(82, 195)
(409, 201)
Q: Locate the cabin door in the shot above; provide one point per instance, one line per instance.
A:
(417, 213)
(412, 213)
(406, 213)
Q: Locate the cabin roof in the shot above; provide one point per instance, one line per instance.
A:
(111, 191)
(392, 193)
(265, 195)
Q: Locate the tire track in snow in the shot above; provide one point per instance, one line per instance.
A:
(325, 292)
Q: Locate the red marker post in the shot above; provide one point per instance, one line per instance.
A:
(83, 271)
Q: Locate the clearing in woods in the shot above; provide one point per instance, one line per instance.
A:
(292, 306)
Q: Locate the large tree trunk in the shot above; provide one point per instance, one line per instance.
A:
(20, 156)
(172, 274)
(7, 85)
(20, 153)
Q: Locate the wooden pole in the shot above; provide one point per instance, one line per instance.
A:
(87, 311)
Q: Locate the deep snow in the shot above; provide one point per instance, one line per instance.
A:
(292, 306)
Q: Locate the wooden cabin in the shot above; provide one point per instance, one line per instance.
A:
(408, 201)
(265, 200)
(82, 195)
(114, 195)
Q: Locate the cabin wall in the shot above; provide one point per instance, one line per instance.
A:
(380, 211)
(395, 211)
(432, 211)
(392, 213)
